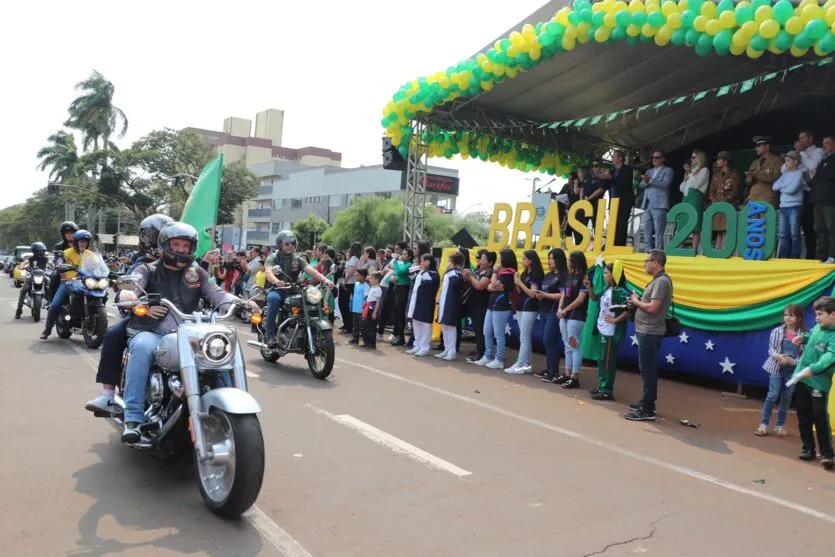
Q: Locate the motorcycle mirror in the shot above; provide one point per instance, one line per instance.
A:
(127, 280)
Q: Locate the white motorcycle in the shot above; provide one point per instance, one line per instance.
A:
(197, 404)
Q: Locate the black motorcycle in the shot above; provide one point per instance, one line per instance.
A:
(37, 285)
(85, 312)
(302, 328)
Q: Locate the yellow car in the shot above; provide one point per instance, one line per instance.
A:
(17, 274)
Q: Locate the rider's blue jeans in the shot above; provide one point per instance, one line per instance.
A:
(274, 300)
(141, 355)
(56, 304)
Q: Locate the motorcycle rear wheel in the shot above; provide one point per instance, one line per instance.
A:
(321, 363)
(95, 339)
(37, 303)
(230, 489)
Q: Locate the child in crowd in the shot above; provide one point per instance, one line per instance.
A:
(782, 359)
(371, 310)
(611, 327)
(814, 376)
(357, 303)
(449, 306)
(422, 305)
(572, 315)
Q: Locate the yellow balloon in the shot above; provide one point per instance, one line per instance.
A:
(753, 53)
(661, 41)
(674, 20)
(620, 5)
(743, 4)
(727, 19)
(832, 29)
(648, 30)
(511, 72)
(709, 9)
(712, 27)
(810, 12)
(740, 39)
(818, 51)
(636, 6)
(583, 38)
(609, 21)
(570, 32)
(664, 33)
(568, 43)
(583, 28)
(528, 30)
(736, 50)
(700, 23)
(499, 70)
(798, 52)
(749, 28)
(830, 15)
(794, 25)
(763, 13)
(769, 29)
(668, 9)
(602, 34)
(562, 16)
(633, 30)
(513, 51)
(536, 53)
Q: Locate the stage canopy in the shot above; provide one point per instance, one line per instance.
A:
(574, 80)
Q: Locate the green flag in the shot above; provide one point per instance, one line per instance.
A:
(201, 208)
(591, 342)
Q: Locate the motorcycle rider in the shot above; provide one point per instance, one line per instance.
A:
(291, 265)
(68, 228)
(115, 339)
(37, 260)
(80, 242)
(179, 280)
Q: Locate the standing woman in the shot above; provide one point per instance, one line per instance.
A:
(348, 286)
(572, 314)
(418, 251)
(549, 295)
(422, 305)
(478, 298)
(498, 310)
(400, 269)
(527, 283)
(694, 187)
(449, 306)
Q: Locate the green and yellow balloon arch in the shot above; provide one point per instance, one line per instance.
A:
(724, 28)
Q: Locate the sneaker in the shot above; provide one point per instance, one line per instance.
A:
(571, 383)
(473, 354)
(559, 380)
(635, 406)
(547, 378)
(473, 358)
(391, 338)
(398, 342)
(422, 353)
(640, 415)
(450, 356)
(525, 368)
(495, 364)
(103, 403)
(761, 431)
(411, 351)
(543, 373)
(594, 391)
(828, 463)
(483, 361)
(780, 431)
(830, 261)
(514, 370)
(45, 334)
(602, 396)
(440, 355)
(130, 434)
(807, 455)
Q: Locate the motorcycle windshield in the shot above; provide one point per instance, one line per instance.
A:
(93, 265)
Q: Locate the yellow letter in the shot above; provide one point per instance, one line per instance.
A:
(611, 248)
(580, 227)
(550, 236)
(526, 227)
(600, 222)
(500, 226)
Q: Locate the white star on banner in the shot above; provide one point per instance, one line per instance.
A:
(727, 366)
(683, 338)
(599, 260)
(709, 345)
(671, 359)
(507, 330)
(634, 339)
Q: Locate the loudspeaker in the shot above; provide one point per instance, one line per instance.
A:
(464, 239)
(392, 159)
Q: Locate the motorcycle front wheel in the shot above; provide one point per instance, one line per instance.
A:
(230, 486)
(321, 363)
(94, 332)
(37, 303)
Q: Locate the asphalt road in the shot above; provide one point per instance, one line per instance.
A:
(400, 456)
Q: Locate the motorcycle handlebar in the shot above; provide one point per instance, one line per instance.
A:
(184, 316)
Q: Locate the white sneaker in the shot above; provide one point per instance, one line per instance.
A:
(511, 369)
(829, 261)
(450, 357)
(440, 355)
(495, 364)
(422, 353)
(483, 361)
(412, 351)
(525, 368)
(103, 403)
(390, 338)
(514, 370)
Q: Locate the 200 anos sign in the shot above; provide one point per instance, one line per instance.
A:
(751, 231)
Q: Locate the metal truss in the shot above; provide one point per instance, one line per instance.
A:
(415, 202)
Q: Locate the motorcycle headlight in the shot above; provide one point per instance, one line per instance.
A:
(37, 280)
(313, 295)
(102, 284)
(90, 282)
(216, 347)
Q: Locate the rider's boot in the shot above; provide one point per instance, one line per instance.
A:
(45, 334)
(18, 313)
(130, 434)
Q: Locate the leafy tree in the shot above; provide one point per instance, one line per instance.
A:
(371, 220)
(36, 219)
(309, 230)
(236, 186)
(94, 114)
(60, 156)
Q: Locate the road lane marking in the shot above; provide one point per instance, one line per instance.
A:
(389, 441)
(605, 445)
(269, 529)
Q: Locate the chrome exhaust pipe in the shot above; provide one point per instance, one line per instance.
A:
(167, 426)
(256, 344)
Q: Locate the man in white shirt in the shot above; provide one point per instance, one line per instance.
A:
(810, 158)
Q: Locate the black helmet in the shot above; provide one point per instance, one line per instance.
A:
(68, 226)
(149, 230)
(81, 235)
(177, 230)
(286, 238)
(39, 249)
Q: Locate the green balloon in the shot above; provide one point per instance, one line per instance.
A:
(505, 44)
(705, 41)
(691, 37)
(546, 39)
(703, 50)
(597, 19)
(656, 19)
(803, 40)
(584, 5)
(623, 18)
(643, 38)
(758, 42)
(759, 3)
(491, 54)
(586, 15)
(783, 40)
(827, 43)
(639, 18)
(574, 18)
(687, 18)
(816, 29)
(724, 6)
(522, 58)
(618, 34)
(632, 40)
(538, 28)
(783, 10)
(677, 38)
(722, 41)
(555, 29)
(501, 58)
(743, 14)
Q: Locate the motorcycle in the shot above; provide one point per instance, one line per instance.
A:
(194, 411)
(303, 328)
(37, 285)
(85, 313)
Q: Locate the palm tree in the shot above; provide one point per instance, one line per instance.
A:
(60, 156)
(94, 115)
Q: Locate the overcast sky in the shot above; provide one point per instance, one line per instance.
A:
(331, 65)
